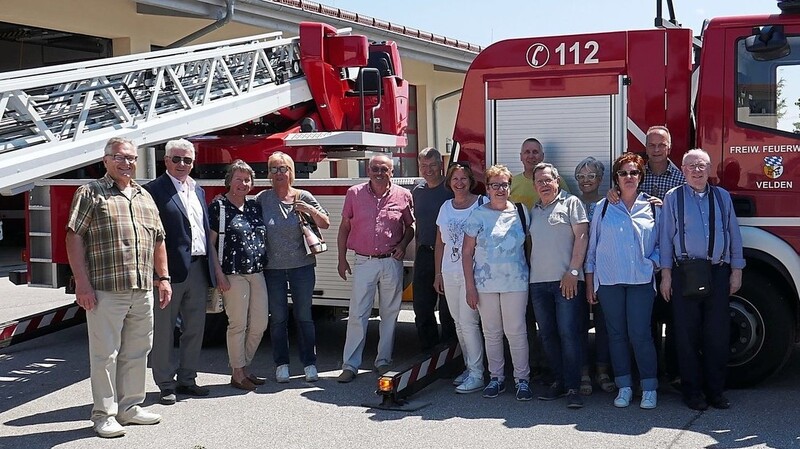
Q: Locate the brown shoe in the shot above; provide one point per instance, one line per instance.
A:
(245, 384)
(256, 380)
(346, 376)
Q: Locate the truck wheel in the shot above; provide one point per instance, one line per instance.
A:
(762, 331)
(216, 326)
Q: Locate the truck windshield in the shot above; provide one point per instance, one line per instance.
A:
(769, 91)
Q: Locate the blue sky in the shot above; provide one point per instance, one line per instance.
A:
(484, 22)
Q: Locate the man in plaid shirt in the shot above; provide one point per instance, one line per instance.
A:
(115, 245)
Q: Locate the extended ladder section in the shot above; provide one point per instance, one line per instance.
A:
(58, 118)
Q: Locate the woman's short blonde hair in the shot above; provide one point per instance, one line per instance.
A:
(497, 170)
(287, 160)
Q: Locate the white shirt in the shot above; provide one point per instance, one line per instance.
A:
(186, 192)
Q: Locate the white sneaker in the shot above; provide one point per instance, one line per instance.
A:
(461, 378)
(623, 397)
(282, 374)
(138, 415)
(108, 427)
(470, 385)
(649, 399)
(311, 373)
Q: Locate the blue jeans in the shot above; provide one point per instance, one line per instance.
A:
(559, 321)
(628, 309)
(601, 356)
(301, 282)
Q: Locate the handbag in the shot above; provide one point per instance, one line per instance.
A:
(696, 274)
(214, 303)
(312, 237)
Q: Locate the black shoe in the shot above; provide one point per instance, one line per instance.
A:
(720, 402)
(167, 397)
(193, 390)
(555, 391)
(696, 403)
(574, 399)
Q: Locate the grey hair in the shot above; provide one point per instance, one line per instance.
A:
(114, 141)
(543, 165)
(592, 164)
(388, 158)
(179, 144)
(238, 165)
(696, 152)
(430, 153)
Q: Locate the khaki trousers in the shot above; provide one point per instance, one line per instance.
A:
(120, 337)
(248, 312)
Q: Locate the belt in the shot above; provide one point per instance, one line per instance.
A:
(196, 258)
(428, 247)
(378, 256)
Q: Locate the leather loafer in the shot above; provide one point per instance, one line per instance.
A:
(167, 397)
(256, 380)
(245, 384)
(192, 390)
(696, 403)
(720, 402)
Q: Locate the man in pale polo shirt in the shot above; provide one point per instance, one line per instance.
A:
(377, 224)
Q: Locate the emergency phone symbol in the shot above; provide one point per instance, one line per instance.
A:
(773, 166)
(537, 55)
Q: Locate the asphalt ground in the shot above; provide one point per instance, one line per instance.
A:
(45, 402)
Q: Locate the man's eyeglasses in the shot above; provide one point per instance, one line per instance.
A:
(586, 176)
(544, 182)
(376, 169)
(121, 158)
(698, 166)
(499, 185)
(281, 169)
(625, 174)
(186, 160)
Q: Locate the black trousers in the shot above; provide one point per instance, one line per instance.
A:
(665, 344)
(702, 334)
(426, 300)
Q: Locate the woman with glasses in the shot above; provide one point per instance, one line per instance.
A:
(589, 174)
(449, 278)
(620, 264)
(289, 267)
(496, 278)
(244, 292)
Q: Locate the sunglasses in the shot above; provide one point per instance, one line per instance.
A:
(281, 169)
(586, 176)
(178, 159)
(375, 169)
(625, 174)
(120, 158)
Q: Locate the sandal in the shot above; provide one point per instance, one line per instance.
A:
(605, 382)
(586, 386)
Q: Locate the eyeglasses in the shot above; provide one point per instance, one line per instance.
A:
(499, 185)
(544, 182)
(186, 160)
(281, 169)
(121, 158)
(376, 169)
(625, 174)
(586, 177)
(698, 166)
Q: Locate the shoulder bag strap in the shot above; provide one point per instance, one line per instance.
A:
(681, 216)
(523, 221)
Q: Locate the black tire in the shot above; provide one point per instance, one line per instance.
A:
(762, 331)
(216, 326)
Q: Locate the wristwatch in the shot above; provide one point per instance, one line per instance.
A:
(574, 272)
(165, 278)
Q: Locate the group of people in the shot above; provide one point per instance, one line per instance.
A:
(144, 255)
(658, 229)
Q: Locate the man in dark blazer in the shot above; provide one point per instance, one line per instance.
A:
(184, 213)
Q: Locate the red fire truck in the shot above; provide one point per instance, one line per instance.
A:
(732, 92)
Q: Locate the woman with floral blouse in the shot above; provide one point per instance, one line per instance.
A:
(243, 260)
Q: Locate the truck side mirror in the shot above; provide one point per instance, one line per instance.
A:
(768, 43)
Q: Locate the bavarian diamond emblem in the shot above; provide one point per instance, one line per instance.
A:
(773, 166)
